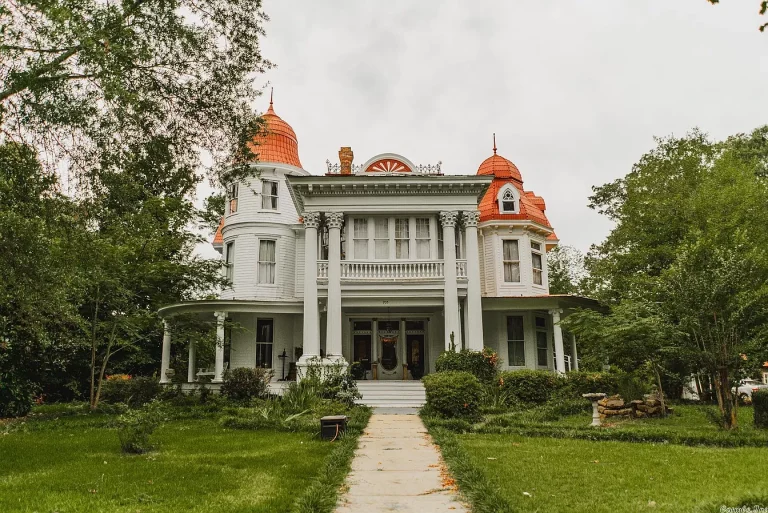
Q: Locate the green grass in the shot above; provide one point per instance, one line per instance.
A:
(74, 464)
(613, 477)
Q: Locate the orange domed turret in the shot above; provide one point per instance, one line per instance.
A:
(498, 166)
(277, 143)
(528, 206)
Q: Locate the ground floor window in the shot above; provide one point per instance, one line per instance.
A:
(515, 341)
(264, 340)
(542, 342)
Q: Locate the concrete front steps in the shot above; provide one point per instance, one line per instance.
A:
(392, 394)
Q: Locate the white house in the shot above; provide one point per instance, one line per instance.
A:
(384, 263)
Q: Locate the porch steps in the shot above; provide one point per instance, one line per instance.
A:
(392, 394)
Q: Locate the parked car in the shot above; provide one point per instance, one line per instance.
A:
(746, 387)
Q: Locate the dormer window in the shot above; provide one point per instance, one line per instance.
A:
(509, 200)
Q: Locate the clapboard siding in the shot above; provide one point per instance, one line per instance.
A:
(243, 352)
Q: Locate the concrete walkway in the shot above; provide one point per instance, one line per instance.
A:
(398, 468)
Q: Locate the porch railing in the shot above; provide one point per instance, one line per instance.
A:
(387, 270)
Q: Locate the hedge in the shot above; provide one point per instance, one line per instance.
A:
(760, 404)
(453, 393)
(482, 364)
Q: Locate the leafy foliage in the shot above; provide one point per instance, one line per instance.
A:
(134, 391)
(760, 404)
(453, 393)
(565, 270)
(531, 386)
(482, 364)
(135, 426)
(244, 384)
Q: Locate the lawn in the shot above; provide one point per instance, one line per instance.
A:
(74, 464)
(553, 475)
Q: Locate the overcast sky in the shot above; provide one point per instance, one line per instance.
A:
(575, 90)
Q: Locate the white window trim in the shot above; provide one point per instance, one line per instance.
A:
(277, 197)
(500, 196)
(258, 261)
(519, 262)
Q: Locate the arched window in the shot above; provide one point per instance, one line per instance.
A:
(509, 200)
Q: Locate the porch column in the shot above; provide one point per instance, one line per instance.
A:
(218, 375)
(474, 304)
(574, 354)
(191, 374)
(559, 356)
(311, 314)
(165, 359)
(333, 349)
(451, 316)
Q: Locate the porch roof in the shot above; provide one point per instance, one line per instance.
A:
(232, 305)
(540, 302)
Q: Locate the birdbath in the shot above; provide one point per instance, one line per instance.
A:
(595, 414)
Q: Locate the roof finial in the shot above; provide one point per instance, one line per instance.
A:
(494, 143)
(271, 93)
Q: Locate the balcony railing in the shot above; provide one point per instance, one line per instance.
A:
(392, 271)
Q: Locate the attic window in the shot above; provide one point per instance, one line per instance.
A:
(508, 200)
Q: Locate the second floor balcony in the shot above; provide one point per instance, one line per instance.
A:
(377, 270)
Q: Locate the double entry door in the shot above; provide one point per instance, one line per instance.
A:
(385, 345)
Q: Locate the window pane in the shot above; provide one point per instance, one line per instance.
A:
(541, 322)
(382, 249)
(401, 248)
(361, 249)
(508, 206)
(537, 277)
(422, 228)
(381, 228)
(536, 246)
(422, 248)
(401, 228)
(510, 250)
(536, 261)
(541, 349)
(511, 272)
(361, 229)
(515, 328)
(264, 330)
(230, 260)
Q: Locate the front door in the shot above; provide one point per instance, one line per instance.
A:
(415, 355)
(390, 366)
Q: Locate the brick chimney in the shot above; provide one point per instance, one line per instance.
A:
(345, 157)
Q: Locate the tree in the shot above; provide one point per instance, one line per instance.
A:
(120, 99)
(634, 335)
(82, 78)
(565, 270)
(691, 228)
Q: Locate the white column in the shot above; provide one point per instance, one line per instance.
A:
(559, 356)
(165, 359)
(451, 316)
(574, 354)
(333, 348)
(474, 304)
(218, 375)
(311, 314)
(191, 374)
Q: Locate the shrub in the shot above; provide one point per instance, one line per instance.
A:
(482, 364)
(243, 384)
(17, 395)
(453, 393)
(496, 399)
(121, 388)
(135, 426)
(529, 386)
(760, 404)
(583, 382)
